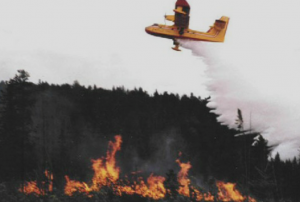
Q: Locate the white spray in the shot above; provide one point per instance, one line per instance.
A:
(262, 84)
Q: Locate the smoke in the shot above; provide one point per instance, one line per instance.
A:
(165, 146)
(260, 81)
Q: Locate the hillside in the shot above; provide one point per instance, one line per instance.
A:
(60, 128)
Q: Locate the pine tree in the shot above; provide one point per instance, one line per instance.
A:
(15, 120)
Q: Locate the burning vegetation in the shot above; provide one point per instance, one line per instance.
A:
(58, 128)
(32, 187)
(106, 175)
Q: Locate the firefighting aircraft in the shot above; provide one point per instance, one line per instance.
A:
(180, 29)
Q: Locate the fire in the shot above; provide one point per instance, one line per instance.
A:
(203, 197)
(156, 187)
(49, 176)
(153, 189)
(74, 186)
(32, 187)
(228, 192)
(183, 179)
(106, 174)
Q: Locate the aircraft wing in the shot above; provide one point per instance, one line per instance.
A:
(218, 30)
(170, 18)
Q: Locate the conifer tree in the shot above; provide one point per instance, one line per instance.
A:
(15, 122)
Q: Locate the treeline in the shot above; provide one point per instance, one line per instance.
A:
(60, 128)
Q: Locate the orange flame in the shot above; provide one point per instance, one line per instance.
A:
(156, 187)
(49, 176)
(32, 187)
(75, 186)
(228, 192)
(106, 173)
(202, 196)
(183, 179)
(153, 189)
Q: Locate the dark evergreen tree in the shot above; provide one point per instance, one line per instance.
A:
(64, 126)
(16, 145)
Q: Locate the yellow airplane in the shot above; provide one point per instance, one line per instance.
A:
(180, 29)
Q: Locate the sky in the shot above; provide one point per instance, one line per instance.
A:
(104, 43)
(94, 42)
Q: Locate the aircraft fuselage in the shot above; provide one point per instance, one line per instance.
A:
(172, 32)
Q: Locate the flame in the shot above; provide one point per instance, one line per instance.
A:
(32, 187)
(49, 176)
(203, 196)
(106, 174)
(182, 177)
(112, 170)
(154, 188)
(75, 186)
(228, 192)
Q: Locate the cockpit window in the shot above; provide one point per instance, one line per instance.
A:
(156, 25)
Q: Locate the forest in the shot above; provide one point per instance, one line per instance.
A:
(49, 131)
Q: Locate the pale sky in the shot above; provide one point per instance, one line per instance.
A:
(95, 42)
(104, 43)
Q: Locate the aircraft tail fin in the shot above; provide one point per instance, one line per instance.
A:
(219, 28)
